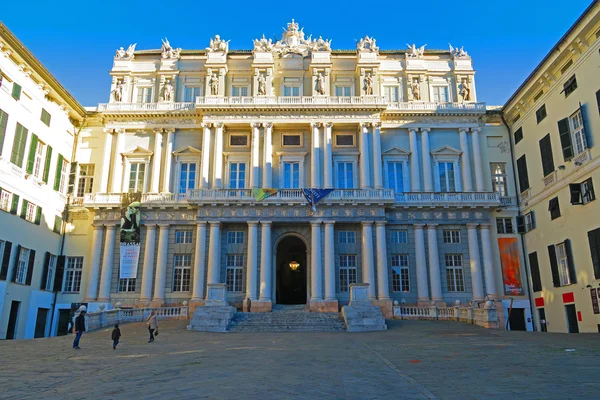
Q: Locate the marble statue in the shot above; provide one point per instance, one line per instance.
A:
(126, 54)
(367, 44)
(167, 51)
(168, 91)
(414, 51)
(321, 84)
(458, 52)
(321, 45)
(465, 91)
(293, 41)
(262, 85)
(118, 92)
(416, 89)
(369, 84)
(214, 84)
(217, 44)
(263, 44)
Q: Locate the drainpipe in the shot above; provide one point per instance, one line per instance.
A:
(529, 293)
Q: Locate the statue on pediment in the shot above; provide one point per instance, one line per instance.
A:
(321, 84)
(214, 84)
(117, 93)
(367, 44)
(167, 51)
(369, 84)
(321, 45)
(263, 44)
(126, 54)
(293, 41)
(458, 52)
(218, 44)
(465, 90)
(414, 51)
(262, 85)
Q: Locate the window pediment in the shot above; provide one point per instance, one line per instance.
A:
(187, 151)
(446, 151)
(138, 152)
(396, 151)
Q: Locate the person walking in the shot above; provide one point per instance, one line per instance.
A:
(116, 334)
(79, 329)
(152, 325)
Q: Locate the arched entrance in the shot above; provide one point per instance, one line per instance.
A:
(291, 284)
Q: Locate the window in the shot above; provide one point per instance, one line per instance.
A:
(50, 273)
(518, 135)
(38, 160)
(440, 94)
(16, 91)
(86, 179)
(22, 264)
(239, 91)
(235, 237)
(291, 90)
(534, 267)
(343, 91)
(237, 175)
(499, 178)
(454, 273)
(546, 154)
(348, 237)
(238, 140)
(391, 93)
(235, 272)
(190, 93)
(446, 175)
(529, 221)
(504, 225)
(127, 285)
(30, 211)
(64, 174)
(540, 114)
(578, 130)
(572, 135)
(73, 268)
(594, 241)
(563, 265)
(183, 237)
(137, 172)
(5, 200)
(291, 140)
(347, 272)
(3, 123)
(291, 175)
(398, 236)
(18, 150)
(451, 236)
(570, 85)
(395, 176)
(522, 172)
(182, 272)
(342, 140)
(400, 274)
(582, 193)
(187, 176)
(554, 208)
(144, 95)
(345, 175)
(45, 117)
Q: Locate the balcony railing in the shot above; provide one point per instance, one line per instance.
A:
(437, 107)
(146, 106)
(291, 100)
(290, 196)
(447, 199)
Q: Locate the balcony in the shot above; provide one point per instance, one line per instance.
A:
(441, 108)
(148, 107)
(290, 101)
(96, 200)
(447, 199)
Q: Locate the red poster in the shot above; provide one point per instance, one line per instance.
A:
(511, 266)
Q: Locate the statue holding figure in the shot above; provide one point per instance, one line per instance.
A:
(118, 91)
(416, 89)
(214, 84)
(168, 91)
(465, 91)
(320, 84)
(368, 84)
(262, 85)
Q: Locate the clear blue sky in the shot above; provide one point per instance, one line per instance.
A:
(76, 40)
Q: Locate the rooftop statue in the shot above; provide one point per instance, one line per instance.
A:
(168, 51)
(367, 44)
(126, 54)
(217, 44)
(293, 41)
(414, 51)
(263, 44)
(458, 52)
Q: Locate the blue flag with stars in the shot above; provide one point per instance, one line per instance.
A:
(313, 196)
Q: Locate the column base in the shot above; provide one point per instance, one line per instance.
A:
(194, 304)
(387, 309)
(331, 305)
(438, 302)
(102, 300)
(143, 303)
(157, 303)
(261, 306)
(423, 302)
(316, 305)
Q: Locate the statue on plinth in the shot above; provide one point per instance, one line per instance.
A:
(117, 93)
(369, 84)
(415, 52)
(168, 91)
(465, 91)
(262, 85)
(217, 44)
(320, 84)
(214, 84)
(367, 44)
(416, 89)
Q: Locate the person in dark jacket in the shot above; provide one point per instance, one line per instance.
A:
(116, 334)
(79, 329)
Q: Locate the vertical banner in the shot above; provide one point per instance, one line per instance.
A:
(130, 235)
(511, 266)
(594, 293)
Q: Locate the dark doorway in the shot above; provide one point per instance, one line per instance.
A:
(291, 284)
(11, 329)
(40, 323)
(64, 316)
(517, 319)
(572, 318)
(542, 316)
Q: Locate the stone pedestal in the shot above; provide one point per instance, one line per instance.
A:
(216, 314)
(331, 306)
(194, 304)
(216, 294)
(317, 306)
(386, 306)
(360, 315)
(261, 306)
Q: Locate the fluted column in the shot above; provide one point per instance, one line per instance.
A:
(465, 161)
(107, 155)
(476, 277)
(214, 253)
(315, 168)
(382, 265)
(168, 161)
(422, 284)
(328, 156)
(199, 262)
(156, 161)
(118, 170)
(161, 265)
(368, 268)
(488, 262)
(254, 146)
(434, 263)
(365, 172)
(480, 186)
(218, 163)
(415, 176)
(205, 156)
(148, 269)
(427, 175)
(252, 270)
(377, 163)
(108, 260)
(265, 261)
(316, 276)
(329, 261)
(268, 156)
(95, 257)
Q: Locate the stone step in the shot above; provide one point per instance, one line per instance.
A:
(287, 319)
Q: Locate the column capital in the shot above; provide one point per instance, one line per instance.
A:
(485, 225)
(367, 223)
(164, 226)
(169, 130)
(108, 131)
(205, 125)
(419, 226)
(364, 125)
(201, 223)
(376, 124)
(472, 226)
(329, 222)
(214, 223)
(475, 130)
(158, 131)
(463, 130)
(255, 125)
(412, 130)
(425, 130)
(111, 227)
(380, 223)
(267, 125)
(252, 223)
(432, 226)
(150, 226)
(327, 124)
(266, 223)
(315, 124)
(218, 125)
(97, 227)
(315, 223)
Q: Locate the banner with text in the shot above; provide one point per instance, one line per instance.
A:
(511, 266)
(313, 196)
(130, 235)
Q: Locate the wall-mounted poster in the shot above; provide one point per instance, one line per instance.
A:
(511, 266)
(130, 235)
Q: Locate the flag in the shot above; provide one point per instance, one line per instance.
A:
(261, 194)
(313, 196)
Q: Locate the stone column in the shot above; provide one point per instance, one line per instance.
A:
(254, 146)
(328, 157)
(118, 162)
(218, 160)
(214, 253)
(108, 260)
(252, 266)
(427, 175)
(488, 261)
(316, 275)
(465, 161)
(204, 183)
(199, 264)
(476, 277)
(434, 264)
(264, 302)
(480, 186)
(415, 176)
(156, 161)
(161, 266)
(383, 285)
(107, 155)
(168, 161)
(268, 156)
(92, 283)
(422, 284)
(148, 269)
(331, 303)
(368, 268)
(377, 163)
(365, 173)
(315, 161)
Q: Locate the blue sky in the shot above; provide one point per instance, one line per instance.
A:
(77, 40)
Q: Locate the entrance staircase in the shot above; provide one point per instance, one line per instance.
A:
(287, 318)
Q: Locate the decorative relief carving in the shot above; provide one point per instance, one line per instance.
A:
(412, 215)
(438, 215)
(367, 44)
(451, 215)
(399, 215)
(478, 215)
(464, 215)
(425, 215)
(335, 212)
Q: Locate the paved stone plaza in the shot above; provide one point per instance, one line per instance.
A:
(412, 360)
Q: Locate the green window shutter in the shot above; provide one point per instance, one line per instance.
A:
(3, 123)
(564, 130)
(24, 209)
(58, 170)
(47, 164)
(16, 91)
(38, 215)
(18, 150)
(15, 204)
(46, 117)
(57, 224)
(32, 149)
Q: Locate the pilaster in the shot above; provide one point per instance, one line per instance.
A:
(415, 177)
(328, 156)
(315, 170)
(427, 175)
(377, 163)
(148, 268)
(205, 178)
(368, 264)
(161, 266)
(95, 257)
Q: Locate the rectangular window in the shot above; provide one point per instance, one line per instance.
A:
(64, 176)
(183, 237)
(5, 200)
(187, 176)
(137, 173)
(237, 175)
(85, 184)
(235, 237)
(182, 272)
(45, 117)
(345, 175)
(22, 263)
(235, 272)
(522, 172)
(454, 273)
(288, 140)
(546, 154)
(30, 211)
(569, 86)
(127, 285)
(440, 94)
(540, 114)
(594, 241)
(73, 268)
(563, 264)
(50, 273)
(347, 272)
(291, 91)
(348, 237)
(499, 178)
(582, 193)
(190, 93)
(529, 222)
(16, 91)
(578, 130)
(238, 140)
(391, 93)
(395, 178)
(342, 140)
(291, 175)
(38, 160)
(18, 150)
(343, 91)
(518, 135)
(554, 208)
(534, 267)
(144, 94)
(3, 124)
(504, 225)
(239, 91)
(400, 273)
(398, 237)
(446, 175)
(451, 236)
